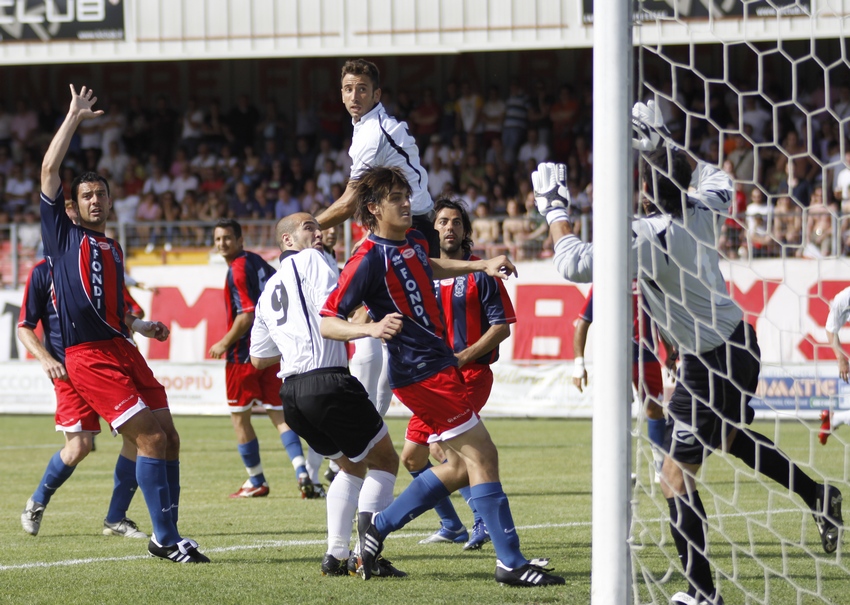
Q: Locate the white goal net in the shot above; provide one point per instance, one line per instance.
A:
(761, 90)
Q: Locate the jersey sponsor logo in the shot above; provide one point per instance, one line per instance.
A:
(103, 245)
(408, 252)
(447, 282)
(683, 433)
(414, 295)
(96, 276)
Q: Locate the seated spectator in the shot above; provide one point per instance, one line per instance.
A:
(425, 118)
(241, 204)
(297, 176)
(499, 155)
(472, 198)
(253, 167)
(492, 116)
(211, 181)
(285, 204)
(435, 148)
(516, 230)
(6, 161)
(185, 181)
(305, 152)
(18, 189)
(264, 209)
(114, 163)
(271, 154)
(438, 176)
(149, 210)
(731, 231)
(760, 243)
(158, 182)
(326, 152)
(29, 231)
(180, 160)
(312, 200)
(343, 160)
(457, 152)
(533, 149)
(205, 158)
(211, 209)
(171, 214)
(124, 204)
(472, 173)
(328, 176)
(498, 200)
(225, 162)
(192, 235)
(787, 223)
(485, 229)
(819, 226)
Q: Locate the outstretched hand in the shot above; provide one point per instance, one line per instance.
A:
(82, 103)
(500, 266)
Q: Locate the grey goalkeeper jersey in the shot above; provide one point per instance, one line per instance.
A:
(677, 263)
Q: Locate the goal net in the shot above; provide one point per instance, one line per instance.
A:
(760, 89)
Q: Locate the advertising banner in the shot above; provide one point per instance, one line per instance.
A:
(47, 20)
(703, 9)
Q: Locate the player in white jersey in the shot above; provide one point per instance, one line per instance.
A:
(322, 402)
(379, 140)
(677, 265)
(839, 314)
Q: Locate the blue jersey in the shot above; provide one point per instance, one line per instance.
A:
(473, 303)
(88, 276)
(246, 278)
(395, 277)
(38, 306)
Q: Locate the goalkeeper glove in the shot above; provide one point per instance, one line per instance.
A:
(550, 191)
(648, 129)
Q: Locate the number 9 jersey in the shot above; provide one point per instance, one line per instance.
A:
(286, 318)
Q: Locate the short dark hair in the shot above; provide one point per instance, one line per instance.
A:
(667, 174)
(374, 185)
(229, 223)
(87, 177)
(444, 202)
(362, 67)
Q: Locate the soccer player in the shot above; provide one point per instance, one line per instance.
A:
(684, 293)
(322, 401)
(104, 366)
(379, 140)
(73, 417)
(478, 314)
(247, 274)
(649, 389)
(839, 314)
(392, 274)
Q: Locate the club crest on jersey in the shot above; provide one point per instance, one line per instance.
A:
(408, 253)
(420, 252)
(460, 288)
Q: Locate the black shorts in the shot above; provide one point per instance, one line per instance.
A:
(713, 390)
(424, 224)
(331, 410)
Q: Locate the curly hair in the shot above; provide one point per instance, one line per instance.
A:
(374, 185)
(466, 240)
(667, 174)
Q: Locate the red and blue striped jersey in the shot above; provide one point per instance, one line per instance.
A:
(88, 276)
(246, 278)
(472, 304)
(395, 277)
(38, 306)
(647, 340)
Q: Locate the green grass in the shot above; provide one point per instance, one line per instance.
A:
(269, 550)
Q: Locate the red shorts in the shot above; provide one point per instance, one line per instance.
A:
(441, 404)
(478, 379)
(248, 386)
(114, 379)
(73, 414)
(652, 384)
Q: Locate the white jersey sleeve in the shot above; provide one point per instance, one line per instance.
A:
(574, 259)
(262, 344)
(839, 311)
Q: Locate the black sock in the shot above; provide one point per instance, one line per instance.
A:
(688, 534)
(750, 446)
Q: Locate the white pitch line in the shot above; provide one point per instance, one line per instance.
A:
(255, 546)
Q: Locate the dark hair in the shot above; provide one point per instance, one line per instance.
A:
(667, 174)
(229, 223)
(362, 67)
(466, 241)
(374, 185)
(87, 177)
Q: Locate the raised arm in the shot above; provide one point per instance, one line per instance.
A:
(498, 266)
(79, 110)
(340, 211)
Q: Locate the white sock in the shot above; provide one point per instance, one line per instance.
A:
(314, 463)
(839, 418)
(333, 466)
(342, 502)
(377, 491)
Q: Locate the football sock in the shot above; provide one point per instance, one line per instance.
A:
(250, 453)
(314, 465)
(444, 508)
(172, 473)
(466, 492)
(341, 504)
(153, 480)
(122, 492)
(377, 491)
(759, 453)
(839, 418)
(421, 495)
(56, 473)
(492, 503)
(689, 535)
(292, 442)
(655, 430)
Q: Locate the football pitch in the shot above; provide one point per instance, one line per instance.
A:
(269, 550)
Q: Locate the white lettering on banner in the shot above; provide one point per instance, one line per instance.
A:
(87, 11)
(549, 308)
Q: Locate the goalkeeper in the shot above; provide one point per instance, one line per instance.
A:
(684, 292)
